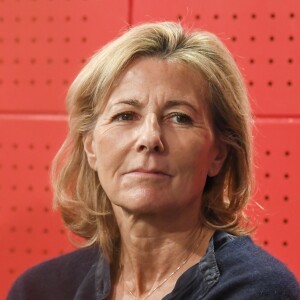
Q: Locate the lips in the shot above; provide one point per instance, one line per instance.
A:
(149, 172)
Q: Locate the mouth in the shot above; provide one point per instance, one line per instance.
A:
(149, 172)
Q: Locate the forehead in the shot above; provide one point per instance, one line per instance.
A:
(166, 78)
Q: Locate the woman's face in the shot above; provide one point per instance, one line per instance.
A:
(153, 146)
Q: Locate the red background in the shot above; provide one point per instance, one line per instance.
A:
(44, 43)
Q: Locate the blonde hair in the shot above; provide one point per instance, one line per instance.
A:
(84, 206)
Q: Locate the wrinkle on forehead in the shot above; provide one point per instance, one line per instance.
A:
(191, 71)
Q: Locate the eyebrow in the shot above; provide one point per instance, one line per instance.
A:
(172, 103)
(132, 102)
(169, 103)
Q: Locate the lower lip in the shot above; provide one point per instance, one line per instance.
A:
(148, 175)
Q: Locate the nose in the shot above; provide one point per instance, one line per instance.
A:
(150, 136)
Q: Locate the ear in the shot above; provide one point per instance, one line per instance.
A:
(218, 160)
(89, 149)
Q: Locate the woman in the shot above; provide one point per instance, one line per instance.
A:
(156, 172)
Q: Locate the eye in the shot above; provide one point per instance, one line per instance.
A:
(181, 118)
(125, 116)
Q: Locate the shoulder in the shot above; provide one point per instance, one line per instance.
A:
(244, 264)
(48, 279)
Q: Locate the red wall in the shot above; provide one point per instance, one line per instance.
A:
(43, 44)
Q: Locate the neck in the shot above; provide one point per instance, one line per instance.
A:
(148, 243)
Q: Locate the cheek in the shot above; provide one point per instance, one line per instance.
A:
(182, 144)
(195, 159)
(111, 146)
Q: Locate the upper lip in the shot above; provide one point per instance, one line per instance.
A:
(150, 171)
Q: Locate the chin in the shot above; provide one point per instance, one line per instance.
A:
(144, 204)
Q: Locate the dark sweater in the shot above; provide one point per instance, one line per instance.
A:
(232, 268)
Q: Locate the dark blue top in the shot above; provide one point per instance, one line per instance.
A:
(233, 268)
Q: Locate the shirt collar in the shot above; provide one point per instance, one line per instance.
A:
(200, 277)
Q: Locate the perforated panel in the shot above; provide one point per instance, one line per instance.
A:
(28, 224)
(277, 188)
(44, 44)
